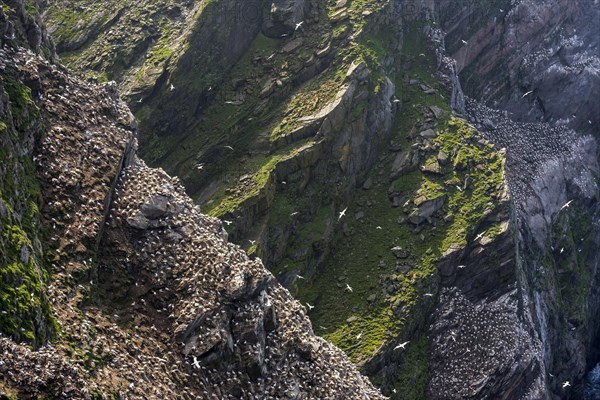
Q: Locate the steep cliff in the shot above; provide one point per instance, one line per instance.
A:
(448, 252)
(539, 62)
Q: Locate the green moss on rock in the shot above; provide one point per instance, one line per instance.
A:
(25, 313)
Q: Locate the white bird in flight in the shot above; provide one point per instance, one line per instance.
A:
(309, 306)
(462, 266)
(464, 41)
(172, 87)
(298, 25)
(349, 288)
(228, 222)
(566, 384)
(402, 345)
(531, 91)
(342, 213)
(567, 204)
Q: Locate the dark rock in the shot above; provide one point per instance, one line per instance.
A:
(139, 221)
(159, 206)
(426, 210)
(399, 252)
(403, 163)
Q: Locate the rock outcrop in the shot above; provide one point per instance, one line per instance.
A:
(550, 172)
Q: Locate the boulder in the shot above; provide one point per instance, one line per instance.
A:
(404, 162)
(428, 134)
(426, 210)
(399, 252)
(158, 207)
(138, 221)
(437, 112)
(432, 166)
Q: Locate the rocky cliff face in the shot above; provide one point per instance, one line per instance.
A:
(321, 133)
(551, 169)
(537, 60)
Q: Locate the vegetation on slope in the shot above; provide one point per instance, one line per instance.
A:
(25, 313)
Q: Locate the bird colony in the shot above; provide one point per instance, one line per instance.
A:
(475, 342)
(529, 146)
(152, 300)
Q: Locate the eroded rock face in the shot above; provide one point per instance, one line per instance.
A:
(21, 24)
(479, 347)
(550, 172)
